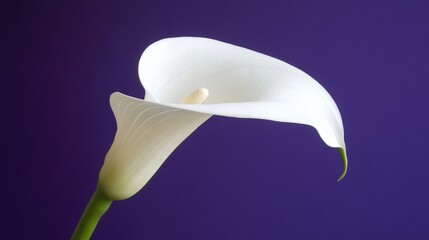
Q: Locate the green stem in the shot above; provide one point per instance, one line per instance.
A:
(95, 209)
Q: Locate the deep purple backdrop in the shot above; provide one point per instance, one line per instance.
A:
(233, 178)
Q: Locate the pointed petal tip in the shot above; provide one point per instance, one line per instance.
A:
(114, 97)
(345, 163)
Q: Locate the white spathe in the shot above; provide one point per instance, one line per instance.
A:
(242, 83)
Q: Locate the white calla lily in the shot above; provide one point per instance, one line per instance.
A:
(187, 80)
(241, 83)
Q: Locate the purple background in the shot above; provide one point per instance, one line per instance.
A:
(233, 178)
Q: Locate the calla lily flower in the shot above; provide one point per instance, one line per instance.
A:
(189, 79)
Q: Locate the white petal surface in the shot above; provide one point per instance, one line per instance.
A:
(147, 133)
(242, 83)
